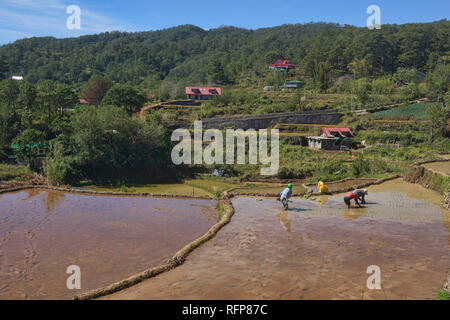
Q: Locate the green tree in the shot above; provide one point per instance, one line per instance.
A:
(6, 123)
(3, 68)
(62, 163)
(438, 116)
(47, 101)
(9, 91)
(438, 82)
(216, 72)
(271, 56)
(95, 89)
(363, 89)
(27, 144)
(65, 98)
(126, 96)
(111, 144)
(322, 75)
(27, 95)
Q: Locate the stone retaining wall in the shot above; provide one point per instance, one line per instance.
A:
(264, 121)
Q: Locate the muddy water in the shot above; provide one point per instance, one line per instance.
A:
(109, 238)
(438, 166)
(318, 250)
(269, 189)
(336, 186)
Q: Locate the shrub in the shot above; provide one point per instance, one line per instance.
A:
(359, 166)
(9, 172)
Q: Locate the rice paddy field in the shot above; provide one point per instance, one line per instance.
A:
(169, 188)
(415, 111)
(43, 232)
(268, 188)
(439, 166)
(318, 249)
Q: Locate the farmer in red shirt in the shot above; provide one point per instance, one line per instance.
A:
(356, 195)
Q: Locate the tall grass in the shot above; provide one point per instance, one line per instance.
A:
(9, 172)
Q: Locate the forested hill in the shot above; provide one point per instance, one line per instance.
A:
(185, 53)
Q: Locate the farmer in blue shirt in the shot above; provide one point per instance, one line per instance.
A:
(285, 195)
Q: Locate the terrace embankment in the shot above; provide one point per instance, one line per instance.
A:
(439, 166)
(318, 249)
(432, 175)
(343, 185)
(264, 121)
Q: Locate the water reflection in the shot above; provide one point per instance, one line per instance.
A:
(354, 213)
(284, 221)
(109, 237)
(31, 193)
(321, 201)
(52, 200)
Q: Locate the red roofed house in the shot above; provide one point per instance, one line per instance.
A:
(202, 93)
(334, 132)
(281, 65)
(332, 138)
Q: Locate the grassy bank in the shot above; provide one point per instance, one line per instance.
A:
(10, 172)
(443, 295)
(169, 188)
(428, 179)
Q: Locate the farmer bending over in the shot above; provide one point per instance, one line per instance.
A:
(356, 195)
(285, 195)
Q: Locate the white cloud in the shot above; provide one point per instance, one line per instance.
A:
(34, 3)
(26, 18)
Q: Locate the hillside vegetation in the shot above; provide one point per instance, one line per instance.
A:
(412, 111)
(101, 140)
(189, 54)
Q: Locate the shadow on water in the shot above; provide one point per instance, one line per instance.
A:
(299, 209)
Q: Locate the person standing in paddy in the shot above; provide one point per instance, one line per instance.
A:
(285, 195)
(356, 195)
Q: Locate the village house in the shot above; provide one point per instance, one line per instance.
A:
(202, 93)
(281, 65)
(331, 138)
(41, 151)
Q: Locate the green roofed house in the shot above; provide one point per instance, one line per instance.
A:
(42, 148)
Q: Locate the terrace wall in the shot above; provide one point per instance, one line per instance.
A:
(264, 121)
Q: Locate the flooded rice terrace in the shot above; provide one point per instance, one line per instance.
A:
(109, 237)
(440, 166)
(317, 249)
(342, 185)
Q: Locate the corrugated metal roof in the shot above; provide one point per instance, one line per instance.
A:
(205, 91)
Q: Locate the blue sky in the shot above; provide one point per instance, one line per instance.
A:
(27, 18)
